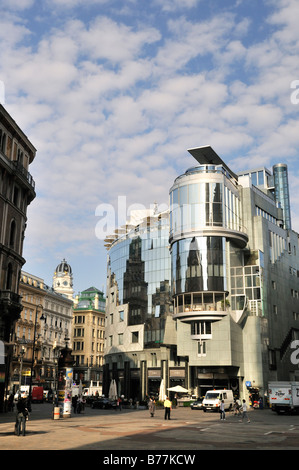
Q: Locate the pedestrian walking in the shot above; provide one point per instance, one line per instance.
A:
(244, 411)
(222, 411)
(167, 408)
(152, 407)
(118, 404)
(237, 407)
(75, 402)
(79, 404)
(22, 416)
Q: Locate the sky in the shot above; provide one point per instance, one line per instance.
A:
(112, 94)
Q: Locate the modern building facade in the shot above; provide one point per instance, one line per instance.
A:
(208, 298)
(88, 336)
(17, 191)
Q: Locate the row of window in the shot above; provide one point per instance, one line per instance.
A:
(15, 153)
(120, 338)
(79, 332)
(266, 215)
(203, 204)
(80, 319)
(95, 347)
(81, 360)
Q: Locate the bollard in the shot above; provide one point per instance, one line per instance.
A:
(56, 412)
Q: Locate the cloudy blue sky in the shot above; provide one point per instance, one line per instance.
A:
(112, 94)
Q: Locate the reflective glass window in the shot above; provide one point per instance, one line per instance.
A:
(139, 266)
(198, 264)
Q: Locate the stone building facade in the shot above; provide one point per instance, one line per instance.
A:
(17, 191)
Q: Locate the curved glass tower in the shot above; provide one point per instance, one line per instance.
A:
(204, 214)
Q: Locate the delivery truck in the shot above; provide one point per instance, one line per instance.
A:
(37, 394)
(284, 396)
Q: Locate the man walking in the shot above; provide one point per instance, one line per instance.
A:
(222, 411)
(244, 411)
(167, 407)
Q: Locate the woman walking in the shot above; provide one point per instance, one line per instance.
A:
(152, 407)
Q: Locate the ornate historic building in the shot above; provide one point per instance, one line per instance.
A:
(17, 190)
(63, 279)
(88, 336)
(40, 333)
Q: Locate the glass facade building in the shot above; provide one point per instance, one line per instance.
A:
(205, 295)
(205, 214)
(139, 263)
(281, 185)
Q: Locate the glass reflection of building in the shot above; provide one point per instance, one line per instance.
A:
(140, 299)
(206, 294)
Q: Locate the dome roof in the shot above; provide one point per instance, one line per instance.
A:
(63, 267)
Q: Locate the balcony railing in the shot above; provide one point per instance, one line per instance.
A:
(193, 305)
(24, 173)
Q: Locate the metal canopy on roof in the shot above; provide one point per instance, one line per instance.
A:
(207, 156)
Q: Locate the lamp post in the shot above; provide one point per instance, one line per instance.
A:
(39, 306)
(21, 353)
(65, 379)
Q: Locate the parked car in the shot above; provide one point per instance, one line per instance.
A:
(197, 404)
(103, 403)
(24, 392)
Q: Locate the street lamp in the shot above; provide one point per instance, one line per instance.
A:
(21, 354)
(39, 306)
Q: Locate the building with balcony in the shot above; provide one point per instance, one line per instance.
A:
(206, 294)
(17, 191)
(40, 333)
(88, 336)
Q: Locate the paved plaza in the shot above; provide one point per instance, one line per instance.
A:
(130, 430)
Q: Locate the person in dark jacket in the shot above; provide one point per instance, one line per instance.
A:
(22, 414)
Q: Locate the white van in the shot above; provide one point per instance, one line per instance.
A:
(24, 392)
(213, 398)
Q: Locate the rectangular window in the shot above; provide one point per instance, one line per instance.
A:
(121, 315)
(135, 336)
(201, 348)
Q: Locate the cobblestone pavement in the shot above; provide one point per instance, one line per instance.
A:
(135, 430)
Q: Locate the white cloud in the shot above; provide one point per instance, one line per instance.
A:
(16, 4)
(174, 5)
(113, 106)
